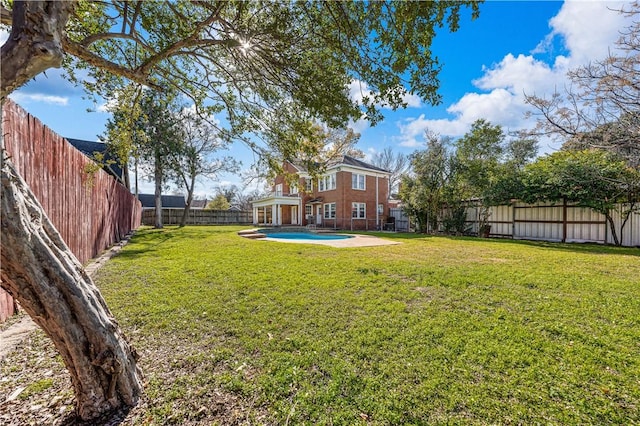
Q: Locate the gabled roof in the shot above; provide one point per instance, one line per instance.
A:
(89, 148)
(199, 204)
(346, 161)
(168, 201)
(350, 161)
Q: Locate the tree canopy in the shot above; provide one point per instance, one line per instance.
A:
(264, 64)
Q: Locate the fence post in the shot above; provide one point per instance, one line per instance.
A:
(564, 220)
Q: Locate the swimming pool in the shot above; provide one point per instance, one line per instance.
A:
(304, 236)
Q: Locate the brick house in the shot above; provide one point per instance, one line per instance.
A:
(350, 194)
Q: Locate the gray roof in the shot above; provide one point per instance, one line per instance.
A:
(168, 201)
(350, 161)
(90, 148)
(199, 204)
(346, 160)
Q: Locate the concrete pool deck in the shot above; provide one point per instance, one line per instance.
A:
(357, 240)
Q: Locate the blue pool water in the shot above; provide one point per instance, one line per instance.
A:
(304, 236)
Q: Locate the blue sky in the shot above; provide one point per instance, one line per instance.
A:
(513, 48)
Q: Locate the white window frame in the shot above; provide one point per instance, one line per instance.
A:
(279, 190)
(358, 181)
(329, 211)
(308, 185)
(308, 210)
(293, 189)
(327, 182)
(358, 210)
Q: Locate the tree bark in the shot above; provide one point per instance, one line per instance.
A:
(612, 227)
(187, 207)
(35, 42)
(39, 270)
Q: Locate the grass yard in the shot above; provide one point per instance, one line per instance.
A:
(432, 331)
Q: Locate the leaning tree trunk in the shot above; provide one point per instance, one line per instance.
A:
(187, 206)
(612, 228)
(39, 270)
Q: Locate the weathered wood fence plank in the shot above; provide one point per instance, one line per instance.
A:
(91, 212)
(199, 217)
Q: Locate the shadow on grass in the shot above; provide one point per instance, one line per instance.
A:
(570, 247)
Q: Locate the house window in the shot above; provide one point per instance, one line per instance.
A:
(358, 210)
(308, 210)
(357, 181)
(294, 188)
(279, 190)
(330, 211)
(308, 185)
(327, 183)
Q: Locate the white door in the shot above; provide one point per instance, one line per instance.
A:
(319, 214)
(294, 215)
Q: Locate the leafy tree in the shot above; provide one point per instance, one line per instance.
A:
(481, 164)
(591, 178)
(396, 163)
(160, 141)
(252, 60)
(506, 183)
(430, 187)
(219, 202)
(478, 154)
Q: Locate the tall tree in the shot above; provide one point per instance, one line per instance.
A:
(396, 163)
(200, 140)
(147, 126)
(246, 58)
(431, 184)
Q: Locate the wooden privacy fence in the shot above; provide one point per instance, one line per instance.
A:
(199, 217)
(92, 211)
(554, 222)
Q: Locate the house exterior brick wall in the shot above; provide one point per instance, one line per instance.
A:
(375, 193)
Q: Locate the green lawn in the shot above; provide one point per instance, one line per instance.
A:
(432, 331)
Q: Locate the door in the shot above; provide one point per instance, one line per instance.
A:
(319, 214)
(294, 215)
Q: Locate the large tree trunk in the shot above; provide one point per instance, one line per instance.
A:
(35, 42)
(40, 271)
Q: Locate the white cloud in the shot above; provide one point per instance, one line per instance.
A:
(359, 126)
(412, 130)
(498, 106)
(520, 74)
(108, 106)
(358, 90)
(589, 30)
(25, 98)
